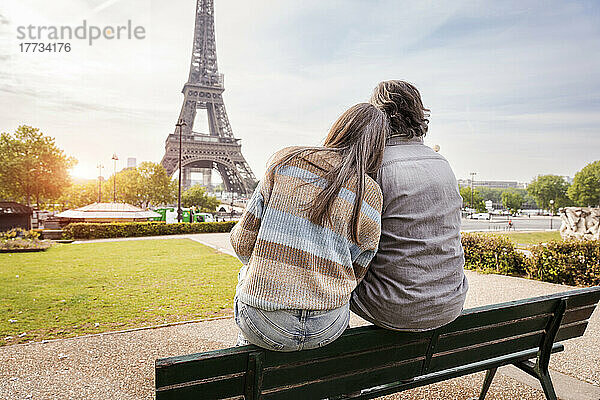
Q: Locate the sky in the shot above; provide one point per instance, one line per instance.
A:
(513, 86)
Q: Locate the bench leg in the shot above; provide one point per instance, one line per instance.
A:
(542, 373)
(489, 376)
(547, 385)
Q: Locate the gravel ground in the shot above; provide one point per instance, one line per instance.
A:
(121, 365)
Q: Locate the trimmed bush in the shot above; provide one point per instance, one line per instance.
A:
(494, 254)
(570, 262)
(83, 230)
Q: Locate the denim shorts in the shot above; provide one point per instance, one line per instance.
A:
(289, 330)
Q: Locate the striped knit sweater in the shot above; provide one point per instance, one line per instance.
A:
(293, 263)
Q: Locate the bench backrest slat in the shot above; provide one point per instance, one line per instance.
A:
(478, 352)
(346, 367)
(218, 389)
(571, 331)
(578, 314)
(495, 314)
(365, 338)
(349, 382)
(215, 368)
(492, 332)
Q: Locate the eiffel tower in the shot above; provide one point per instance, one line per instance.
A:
(218, 149)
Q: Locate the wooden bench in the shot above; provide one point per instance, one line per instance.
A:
(378, 361)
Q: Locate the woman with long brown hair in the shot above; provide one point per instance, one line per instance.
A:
(308, 234)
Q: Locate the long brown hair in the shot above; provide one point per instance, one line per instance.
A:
(402, 102)
(358, 137)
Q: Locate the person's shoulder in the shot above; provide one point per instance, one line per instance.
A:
(281, 154)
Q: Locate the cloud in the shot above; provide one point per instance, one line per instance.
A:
(104, 4)
(507, 82)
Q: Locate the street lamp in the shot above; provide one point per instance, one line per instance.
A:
(115, 158)
(100, 166)
(551, 212)
(472, 178)
(179, 210)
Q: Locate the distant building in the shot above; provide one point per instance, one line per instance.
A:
(106, 212)
(493, 184)
(14, 215)
(131, 162)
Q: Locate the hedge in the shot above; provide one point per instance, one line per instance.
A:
(83, 230)
(570, 262)
(494, 254)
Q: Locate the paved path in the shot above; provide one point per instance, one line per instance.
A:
(121, 365)
(218, 241)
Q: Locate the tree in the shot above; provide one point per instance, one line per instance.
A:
(512, 200)
(82, 194)
(129, 188)
(549, 187)
(196, 196)
(146, 185)
(32, 167)
(478, 202)
(529, 201)
(493, 194)
(156, 186)
(585, 190)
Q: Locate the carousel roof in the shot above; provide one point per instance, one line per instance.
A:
(108, 211)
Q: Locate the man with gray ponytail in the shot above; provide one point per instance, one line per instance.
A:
(416, 281)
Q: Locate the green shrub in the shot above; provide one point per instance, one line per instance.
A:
(570, 262)
(495, 254)
(83, 230)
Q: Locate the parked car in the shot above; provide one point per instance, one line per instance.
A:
(204, 217)
(481, 216)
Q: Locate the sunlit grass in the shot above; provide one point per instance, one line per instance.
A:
(526, 239)
(77, 289)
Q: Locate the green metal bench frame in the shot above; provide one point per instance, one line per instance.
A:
(375, 362)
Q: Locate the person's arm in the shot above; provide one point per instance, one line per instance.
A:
(361, 264)
(244, 233)
(370, 232)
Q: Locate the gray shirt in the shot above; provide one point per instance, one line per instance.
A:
(416, 280)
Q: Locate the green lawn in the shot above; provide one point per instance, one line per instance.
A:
(526, 239)
(68, 289)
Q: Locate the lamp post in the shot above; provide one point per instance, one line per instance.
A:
(179, 210)
(115, 158)
(100, 166)
(551, 212)
(472, 178)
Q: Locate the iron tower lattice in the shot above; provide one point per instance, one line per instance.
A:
(218, 149)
